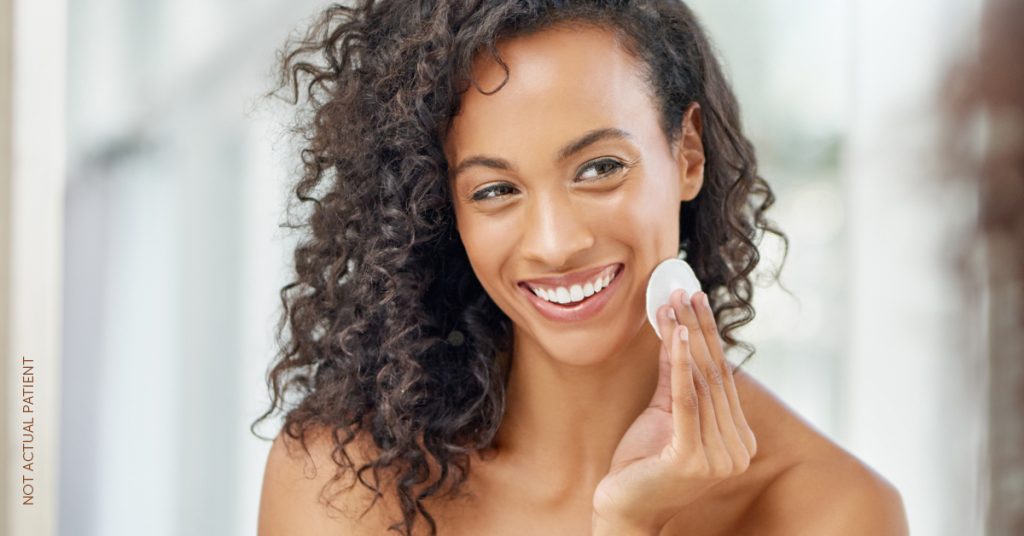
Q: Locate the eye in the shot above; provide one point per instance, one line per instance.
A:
(607, 164)
(604, 166)
(483, 193)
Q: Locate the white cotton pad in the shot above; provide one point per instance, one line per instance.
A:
(668, 276)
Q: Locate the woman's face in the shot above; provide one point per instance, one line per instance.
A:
(532, 202)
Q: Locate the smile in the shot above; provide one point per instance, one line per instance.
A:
(574, 299)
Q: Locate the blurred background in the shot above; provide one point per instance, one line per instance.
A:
(143, 179)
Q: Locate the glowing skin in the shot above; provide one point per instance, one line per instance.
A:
(578, 388)
(549, 217)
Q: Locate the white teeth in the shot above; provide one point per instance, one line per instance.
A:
(575, 293)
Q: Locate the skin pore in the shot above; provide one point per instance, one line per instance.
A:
(574, 387)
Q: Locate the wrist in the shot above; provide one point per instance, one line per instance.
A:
(618, 526)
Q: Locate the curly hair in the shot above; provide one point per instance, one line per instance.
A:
(386, 333)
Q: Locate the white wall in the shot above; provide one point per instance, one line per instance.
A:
(173, 263)
(916, 389)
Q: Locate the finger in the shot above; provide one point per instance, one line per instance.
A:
(666, 324)
(685, 399)
(684, 307)
(709, 330)
(662, 398)
(711, 439)
(681, 304)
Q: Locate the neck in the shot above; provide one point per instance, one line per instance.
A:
(564, 420)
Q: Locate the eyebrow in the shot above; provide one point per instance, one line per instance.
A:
(565, 152)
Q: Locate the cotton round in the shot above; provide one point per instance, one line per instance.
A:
(668, 276)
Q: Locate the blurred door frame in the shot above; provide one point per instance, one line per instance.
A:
(6, 46)
(32, 158)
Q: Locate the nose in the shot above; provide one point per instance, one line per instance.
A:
(554, 232)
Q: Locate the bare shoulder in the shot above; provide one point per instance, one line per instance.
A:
(818, 488)
(301, 495)
(838, 496)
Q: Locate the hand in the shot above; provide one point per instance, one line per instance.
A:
(693, 433)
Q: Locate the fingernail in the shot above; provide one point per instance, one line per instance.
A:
(683, 333)
(704, 299)
(672, 313)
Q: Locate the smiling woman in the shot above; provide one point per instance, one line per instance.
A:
(513, 172)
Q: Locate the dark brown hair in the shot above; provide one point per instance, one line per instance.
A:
(386, 332)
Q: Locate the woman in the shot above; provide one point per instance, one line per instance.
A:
(463, 159)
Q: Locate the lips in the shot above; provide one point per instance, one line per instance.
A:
(578, 311)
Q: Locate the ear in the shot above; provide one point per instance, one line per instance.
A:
(690, 154)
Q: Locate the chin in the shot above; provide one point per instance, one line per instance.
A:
(582, 348)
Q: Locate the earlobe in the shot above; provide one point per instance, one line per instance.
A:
(690, 156)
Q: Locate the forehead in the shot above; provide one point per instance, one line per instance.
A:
(561, 81)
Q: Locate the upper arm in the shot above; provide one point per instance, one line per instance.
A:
(834, 499)
(291, 502)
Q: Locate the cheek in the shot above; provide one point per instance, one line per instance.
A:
(485, 248)
(645, 216)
